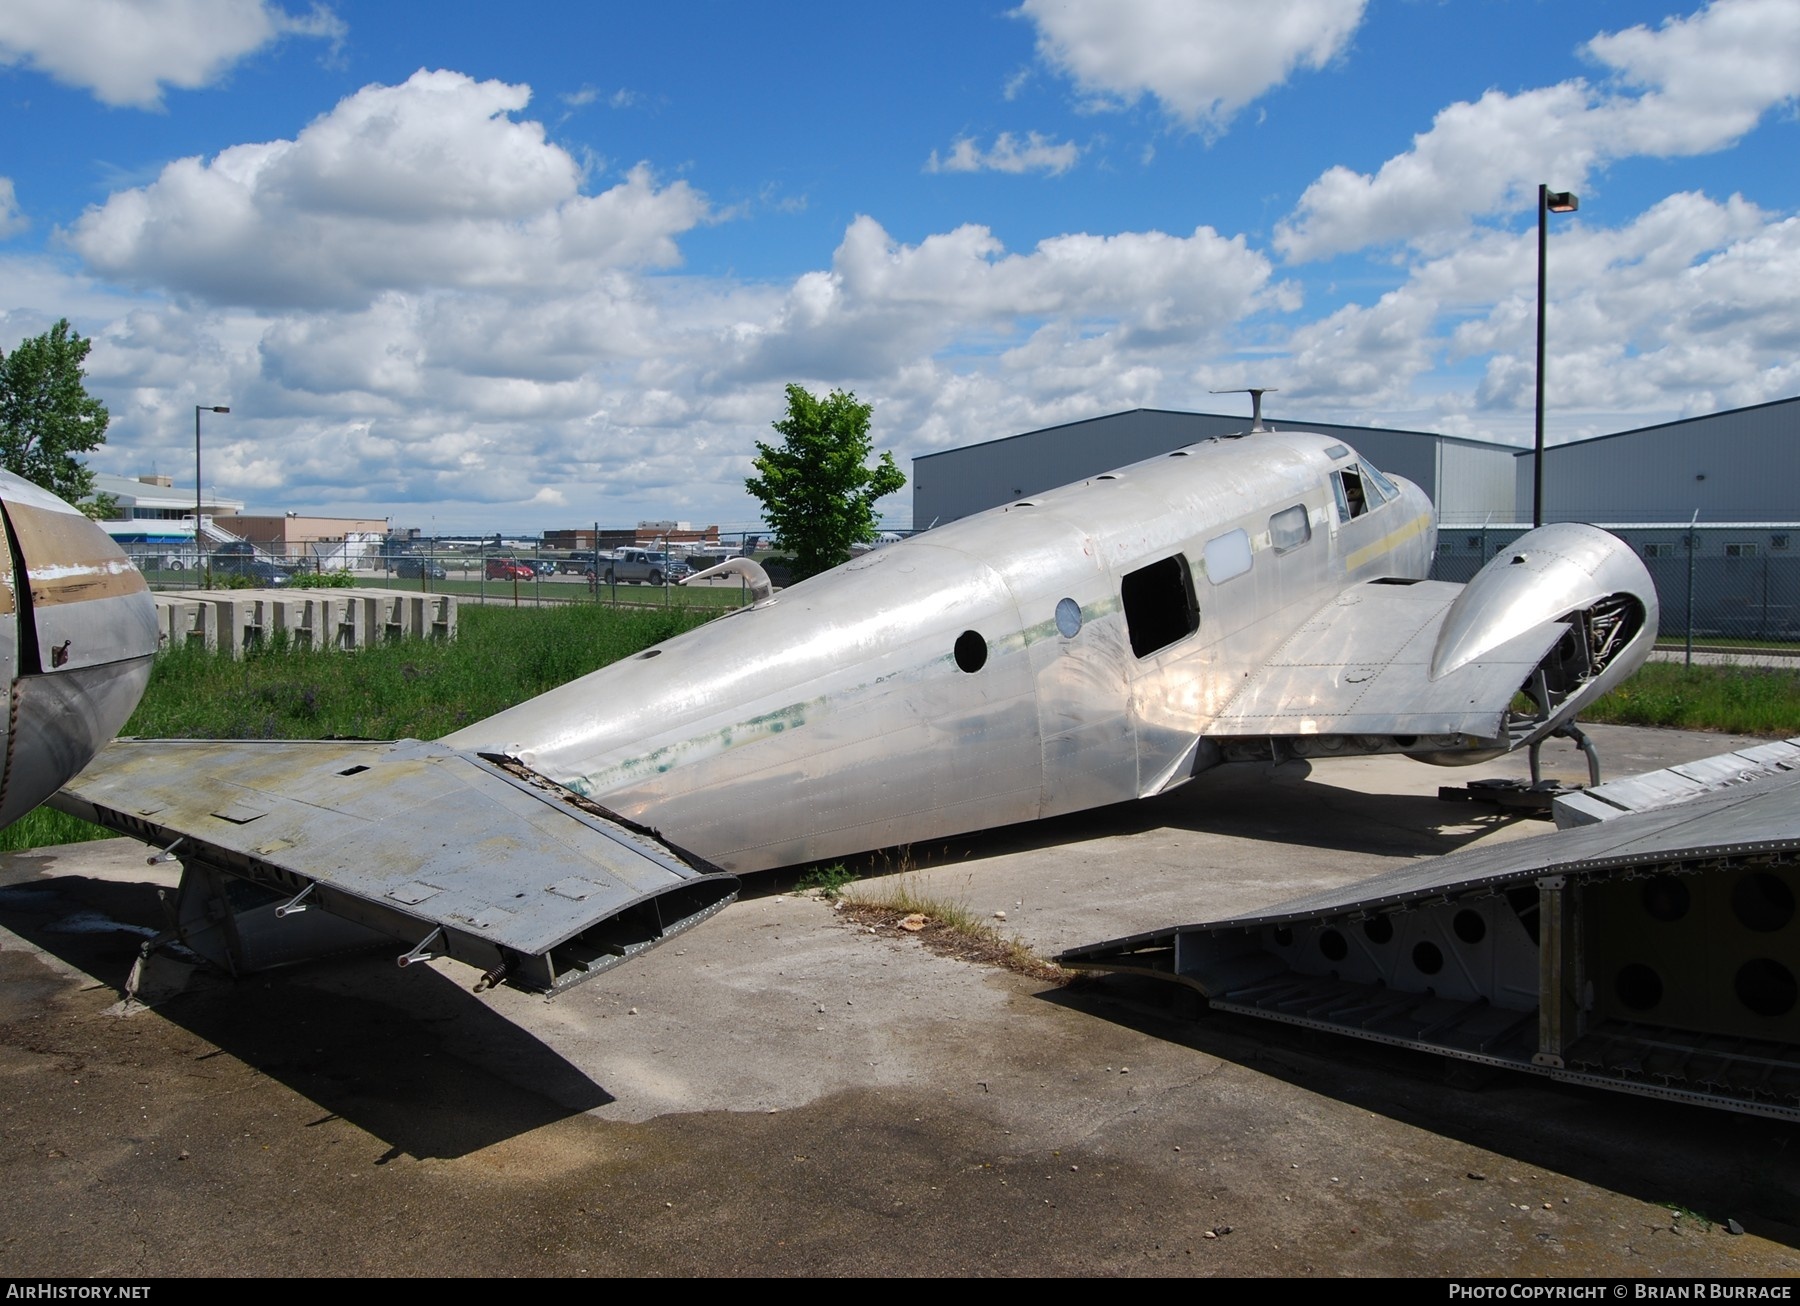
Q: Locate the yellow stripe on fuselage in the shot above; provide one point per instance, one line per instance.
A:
(1389, 542)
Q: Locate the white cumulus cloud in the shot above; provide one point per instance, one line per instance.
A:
(428, 184)
(1690, 86)
(1202, 60)
(883, 302)
(12, 220)
(127, 51)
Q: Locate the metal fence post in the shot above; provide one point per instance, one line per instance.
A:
(1693, 547)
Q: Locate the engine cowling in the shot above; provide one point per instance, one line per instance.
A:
(78, 631)
(1566, 573)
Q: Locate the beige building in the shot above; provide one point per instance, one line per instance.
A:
(328, 542)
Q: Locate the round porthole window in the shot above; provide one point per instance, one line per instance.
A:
(971, 651)
(1068, 618)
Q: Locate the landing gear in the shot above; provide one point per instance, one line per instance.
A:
(1536, 796)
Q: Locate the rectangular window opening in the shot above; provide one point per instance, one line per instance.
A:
(1160, 607)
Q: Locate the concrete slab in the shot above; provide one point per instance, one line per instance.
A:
(780, 1093)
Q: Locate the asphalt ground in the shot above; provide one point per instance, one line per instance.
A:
(780, 1092)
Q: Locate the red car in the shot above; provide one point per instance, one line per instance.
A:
(509, 569)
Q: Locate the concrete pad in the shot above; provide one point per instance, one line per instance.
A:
(779, 1092)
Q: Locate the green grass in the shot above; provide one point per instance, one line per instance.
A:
(1737, 700)
(412, 689)
(44, 827)
(830, 881)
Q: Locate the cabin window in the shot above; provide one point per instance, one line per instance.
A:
(971, 651)
(1068, 618)
(1288, 529)
(1227, 555)
(1160, 607)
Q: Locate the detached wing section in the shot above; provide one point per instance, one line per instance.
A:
(1357, 673)
(440, 850)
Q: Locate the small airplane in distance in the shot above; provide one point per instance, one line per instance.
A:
(1249, 598)
(76, 641)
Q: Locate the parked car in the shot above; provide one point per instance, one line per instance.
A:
(413, 568)
(634, 565)
(509, 569)
(263, 574)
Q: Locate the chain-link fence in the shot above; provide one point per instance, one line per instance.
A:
(491, 569)
(1726, 591)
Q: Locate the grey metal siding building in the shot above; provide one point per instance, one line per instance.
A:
(1469, 480)
(1737, 466)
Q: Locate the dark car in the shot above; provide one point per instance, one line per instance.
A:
(414, 568)
(262, 574)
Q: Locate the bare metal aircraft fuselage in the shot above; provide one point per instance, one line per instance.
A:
(1240, 599)
(1101, 642)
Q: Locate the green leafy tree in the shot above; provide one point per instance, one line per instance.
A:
(102, 507)
(817, 490)
(46, 414)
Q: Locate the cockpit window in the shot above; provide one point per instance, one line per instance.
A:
(1347, 489)
(1384, 487)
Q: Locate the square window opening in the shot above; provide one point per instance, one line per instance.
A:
(1160, 607)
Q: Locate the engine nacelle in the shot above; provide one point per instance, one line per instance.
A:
(1580, 576)
(77, 634)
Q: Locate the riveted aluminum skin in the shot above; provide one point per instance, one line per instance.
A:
(1552, 571)
(926, 688)
(79, 634)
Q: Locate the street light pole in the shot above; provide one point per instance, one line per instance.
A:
(198, 409)
(1549, 201)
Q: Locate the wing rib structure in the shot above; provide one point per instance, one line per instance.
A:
(447, 853)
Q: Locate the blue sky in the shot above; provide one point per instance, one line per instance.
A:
(528, 268)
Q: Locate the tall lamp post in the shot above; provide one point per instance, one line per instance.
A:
(1549, 201)
(202, 408)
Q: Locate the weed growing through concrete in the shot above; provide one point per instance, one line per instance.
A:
(898, 905)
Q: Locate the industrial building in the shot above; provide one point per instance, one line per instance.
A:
(1469, 480)
(1731, 467)
(1708, 502)
(1736, 466)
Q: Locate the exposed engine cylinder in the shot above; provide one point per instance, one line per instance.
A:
(1581, 576)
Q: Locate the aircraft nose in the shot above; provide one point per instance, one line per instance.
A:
(60, 720)
(79, 633)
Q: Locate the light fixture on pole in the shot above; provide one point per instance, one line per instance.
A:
(1549, 201)
(198, 409)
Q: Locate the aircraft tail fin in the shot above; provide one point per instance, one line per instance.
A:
(445, 852)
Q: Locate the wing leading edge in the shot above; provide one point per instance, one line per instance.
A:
(442, 851)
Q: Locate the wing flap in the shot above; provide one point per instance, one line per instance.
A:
(1361, 665)
(442, 850)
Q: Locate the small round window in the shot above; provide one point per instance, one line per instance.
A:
(1068, 618)
(971, 651)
